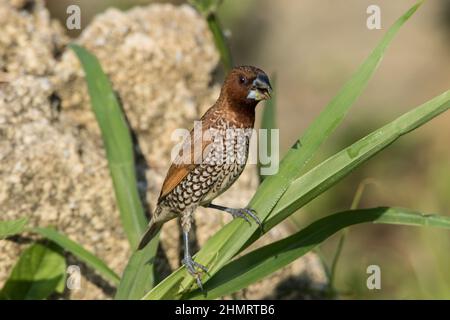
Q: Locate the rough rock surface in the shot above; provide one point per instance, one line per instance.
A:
(52, 164)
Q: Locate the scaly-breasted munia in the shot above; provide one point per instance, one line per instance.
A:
(196, 179)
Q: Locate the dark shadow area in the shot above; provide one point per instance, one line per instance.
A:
(90, 275)
(298, 287)
(55, 104)
(162, 266)
(20, 289)
(28, 6)
(20, 239)
(140, 163)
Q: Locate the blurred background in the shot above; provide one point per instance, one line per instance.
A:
(313, 47)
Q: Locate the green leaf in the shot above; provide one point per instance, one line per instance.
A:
(220, 41)
(12, 227)
(235, 236)
(138, 277)
(78, 251)
(332, 170)
(36, 275)
(118, 145)
(261, 262)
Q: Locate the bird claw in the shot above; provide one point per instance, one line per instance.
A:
(244, 213)
(191, 267)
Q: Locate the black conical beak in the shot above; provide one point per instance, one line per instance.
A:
(261, 88)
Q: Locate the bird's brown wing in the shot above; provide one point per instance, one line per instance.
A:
(179, 170)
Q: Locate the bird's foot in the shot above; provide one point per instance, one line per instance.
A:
(191, 267)
(244, 213)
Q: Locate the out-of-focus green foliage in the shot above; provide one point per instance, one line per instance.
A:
(39, 272)
(12, 227)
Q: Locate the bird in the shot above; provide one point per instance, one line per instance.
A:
(194, 178)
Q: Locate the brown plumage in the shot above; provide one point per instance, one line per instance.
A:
(196, 179)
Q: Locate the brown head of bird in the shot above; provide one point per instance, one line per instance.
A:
(246, 86)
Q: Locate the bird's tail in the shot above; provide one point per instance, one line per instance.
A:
(152, 230)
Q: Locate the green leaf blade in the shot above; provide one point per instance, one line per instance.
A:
(261, 262)
(118, 145)
(235, 236)
(78, 251)
(36, 275)
(12, 227)
(138, 276)
(332, 170)
(208, 8)
(119, 149)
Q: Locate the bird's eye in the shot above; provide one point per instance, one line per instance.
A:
(242, 79)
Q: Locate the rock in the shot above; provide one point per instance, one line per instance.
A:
(160, 59)
(29, 41)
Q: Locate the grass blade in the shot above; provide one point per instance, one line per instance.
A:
(333, 114)
(328, 173)
(230, 240)
(118, 145)
(332, 170)
(138, 277)
(38, 273)
(208, 8)
(220, 41)
(11, 227)
(78, 251)
(260, 263)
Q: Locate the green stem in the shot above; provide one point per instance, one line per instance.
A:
(220, 41)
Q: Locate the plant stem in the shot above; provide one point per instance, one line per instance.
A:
(220, 41)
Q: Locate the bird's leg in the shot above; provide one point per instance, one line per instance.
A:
(238, 213)
(190, 264)
(187, 261)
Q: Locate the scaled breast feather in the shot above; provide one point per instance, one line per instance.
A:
(178, 171)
